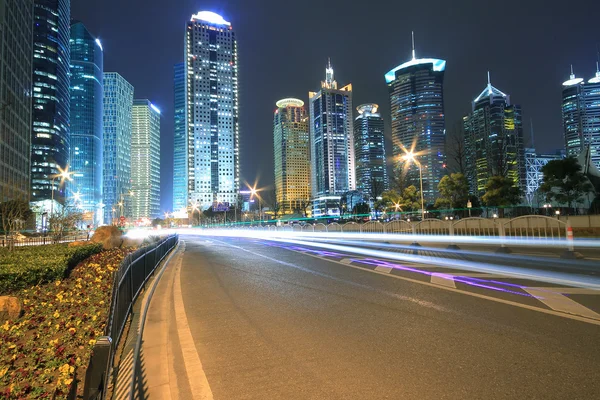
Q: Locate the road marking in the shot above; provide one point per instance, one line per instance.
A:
(345, 261)
(383, 268)
(569, 290)
(560, 302)
(472, 294)
(193, 366)
(443, 280)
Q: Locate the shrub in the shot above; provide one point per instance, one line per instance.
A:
(32, 265)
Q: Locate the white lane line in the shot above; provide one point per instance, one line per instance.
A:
(346, 261)
(382, 268)
(193, 366)
(559, 302)
(477, 275)
(443, 280)
(569, 290)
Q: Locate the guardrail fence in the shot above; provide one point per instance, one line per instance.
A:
(41, 240)
(129, 280)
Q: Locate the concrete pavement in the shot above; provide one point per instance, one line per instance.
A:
(250, 319)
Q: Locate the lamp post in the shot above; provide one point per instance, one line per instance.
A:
(410, 156)
(254, 192)
(63, 174)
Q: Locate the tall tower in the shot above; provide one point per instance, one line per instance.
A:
(292, 165)
(369, 151)
(581, 116)
(494, 140)
(145, 160)
(118, 103)
(87, 71)
(416, 91)
(51, 98)
(16, 53)
(211, 62)
(331, 144)
(180, 150)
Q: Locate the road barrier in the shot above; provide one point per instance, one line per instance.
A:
(517, 231)
(128, 282)
(41, 240)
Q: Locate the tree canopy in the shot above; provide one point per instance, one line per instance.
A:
(454, 192)
(564, 181)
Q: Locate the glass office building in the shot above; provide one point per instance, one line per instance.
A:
(116, 163)
(494, 140)
(15, 98)
(212, 127)
(416, 91)
(145, 161)
(369, 151)
(331, 144)
(292, 156)
(180, 151)
(87, 71)
(51, 98)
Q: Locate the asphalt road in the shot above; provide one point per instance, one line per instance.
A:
(250, 319)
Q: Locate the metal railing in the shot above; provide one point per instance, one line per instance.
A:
(129, 280)
(41, 240)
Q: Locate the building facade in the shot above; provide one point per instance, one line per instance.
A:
(292, 156)
(116, 164)
(180, 150)
(534, 163)
(87, 93)
(416, 90)
(494, 140)
(16, 53)
(369, 151)
(212, 127)
(581, 116)
(145, 160)
(331, 145)
(50, 138)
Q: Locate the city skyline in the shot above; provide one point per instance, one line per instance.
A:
(542, 95)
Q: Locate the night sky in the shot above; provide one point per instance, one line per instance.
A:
(528, 46)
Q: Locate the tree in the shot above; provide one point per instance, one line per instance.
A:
(454, 192)
(501, 192)
(564, 181)
(457, 152)
(411, 199)
(63, 219)
(13, 215)
(361, 209)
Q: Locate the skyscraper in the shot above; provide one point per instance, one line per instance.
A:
(581, 115)
(292, 165)
(51, 97)
(212, 128)
(331, 144)
(16, 53)
(180, 151)
(494, 140)
(418, 124)
(116, 171)
(145, 160)
(87, 71)
(369, 150)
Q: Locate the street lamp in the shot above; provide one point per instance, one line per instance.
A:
(254, 192)
(62, 174)
(410, 156)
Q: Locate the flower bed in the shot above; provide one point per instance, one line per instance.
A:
(51, 343)
(31, 265)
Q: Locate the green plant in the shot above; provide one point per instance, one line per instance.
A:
(32, 265)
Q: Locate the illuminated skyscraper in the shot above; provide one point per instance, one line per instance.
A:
(87, 71)
(212, 130)
(418, 124)
(145, 160)
(331, 145)
(581, 115)
(292, 165)
(369, 150)
(494, 140)
(180, 151)
(51, 97)
(16, 53)
(116, 171)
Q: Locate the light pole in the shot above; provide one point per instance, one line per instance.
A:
(63, 174)
(410, 156)
(254, 192)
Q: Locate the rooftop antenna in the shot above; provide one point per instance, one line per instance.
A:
(572, 74)
(413, 44)
(532, 136)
